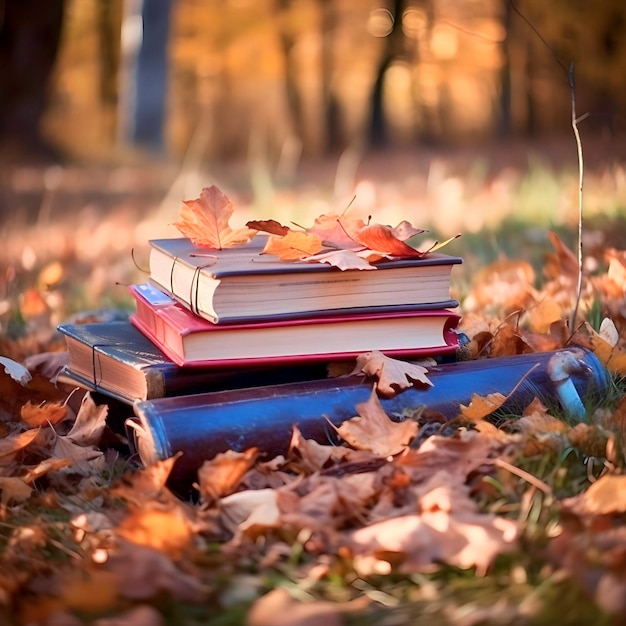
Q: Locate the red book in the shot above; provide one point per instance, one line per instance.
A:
(189, 340)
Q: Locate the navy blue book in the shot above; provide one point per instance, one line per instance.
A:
(201, 426)
(117, 360)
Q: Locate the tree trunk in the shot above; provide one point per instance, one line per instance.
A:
(30, 32)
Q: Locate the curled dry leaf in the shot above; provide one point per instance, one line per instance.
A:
(383, 239)
(342, 259)
(222, 474)
(205, 221)
(268, 226)
(393, 375)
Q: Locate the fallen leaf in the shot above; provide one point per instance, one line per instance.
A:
(11, 444)
(374, 430)
(612, 357)
(167, 531)
(81, 457)
(392, 375)
(313, 455)
(15, 370)
(293, 246)
(268, 226)
(337, 231)
(481, 407)
(342, 259)
(90, 422)
(41, 469)
(142, 615)
(14, 490)
(383, 239)
(279, 608)
(147, 483)
(41, 415)
(255, 511)
(221, 475)
(605, 496)
(142, 573)
(205, 221)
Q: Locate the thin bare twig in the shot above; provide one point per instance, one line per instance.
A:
(579, 148)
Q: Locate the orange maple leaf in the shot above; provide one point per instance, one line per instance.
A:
(293, 246)
(40, 415)
(383, 239)
(337, 231)
(205, 221)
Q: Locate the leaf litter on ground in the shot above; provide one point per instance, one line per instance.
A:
(355, 528)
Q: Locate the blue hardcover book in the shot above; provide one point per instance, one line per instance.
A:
(204, 425)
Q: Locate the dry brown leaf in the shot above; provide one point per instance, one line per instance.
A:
(374, 430)
(90, 422)
(42, 415)
(222, 474)
(563, 262)
(422, 542)
(41, 469)
(82, 458)
(293, 246)
(268, 226)
(392, 375)
(146, 484)
(342, 259)
(14, 490)
(141, 573)
(254, 511)
(313, 455)
(205, 221)
(606, 495)
(11, 444)
(278, 608)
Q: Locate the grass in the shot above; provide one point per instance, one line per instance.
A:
(524, 588)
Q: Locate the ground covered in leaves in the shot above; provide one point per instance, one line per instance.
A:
(483, 518)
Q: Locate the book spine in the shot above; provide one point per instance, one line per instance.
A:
(204, 425)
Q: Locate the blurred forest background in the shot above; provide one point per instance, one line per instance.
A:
(455, 115)
(284, 78)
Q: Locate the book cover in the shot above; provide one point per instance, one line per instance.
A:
(240, 284)
(192, 341)
(204, 425)
(117, 360)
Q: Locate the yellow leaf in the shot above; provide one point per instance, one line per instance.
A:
(482, 406)
(611, 357)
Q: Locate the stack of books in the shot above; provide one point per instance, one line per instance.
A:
(218, 319)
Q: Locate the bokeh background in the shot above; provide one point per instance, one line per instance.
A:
(455, 115)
